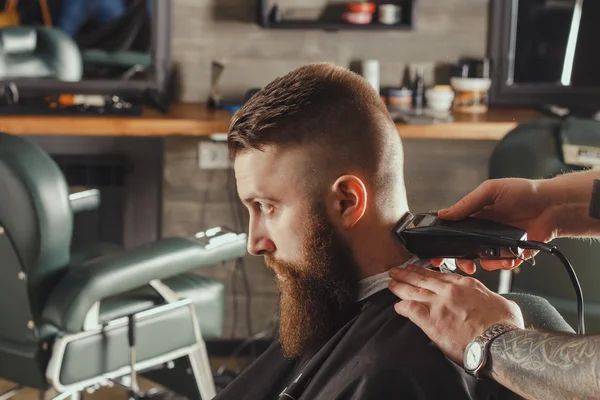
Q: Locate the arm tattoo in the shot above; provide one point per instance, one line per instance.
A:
(540, 365)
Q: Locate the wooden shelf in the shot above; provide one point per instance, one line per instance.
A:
(197, 120)
(335, 26)
(269, 17)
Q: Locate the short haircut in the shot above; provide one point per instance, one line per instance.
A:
(336, 113)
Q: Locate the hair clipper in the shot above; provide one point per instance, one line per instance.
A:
(428, 236)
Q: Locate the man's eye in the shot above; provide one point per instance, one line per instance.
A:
(265, 208)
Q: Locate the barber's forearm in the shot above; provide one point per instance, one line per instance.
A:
(573, 194)
(539, 365)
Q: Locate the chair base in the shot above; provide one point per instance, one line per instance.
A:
(23, 365)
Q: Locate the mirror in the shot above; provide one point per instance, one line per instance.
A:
(554, 42)
(75, 40)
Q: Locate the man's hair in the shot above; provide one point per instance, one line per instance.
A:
(335, 113)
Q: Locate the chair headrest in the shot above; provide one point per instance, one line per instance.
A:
(34, 209)
(39, 52)
(18, 40)
(534, 150)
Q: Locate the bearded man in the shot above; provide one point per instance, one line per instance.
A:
(319, 165)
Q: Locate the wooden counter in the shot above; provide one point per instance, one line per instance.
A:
(492, 125)
(196, 120)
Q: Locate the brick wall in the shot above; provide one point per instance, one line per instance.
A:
(437, 172)
(225, 31)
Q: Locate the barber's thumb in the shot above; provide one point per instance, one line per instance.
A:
(468, 205)
(444, 211)
(448, 213)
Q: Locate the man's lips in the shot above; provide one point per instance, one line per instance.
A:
(280, 275)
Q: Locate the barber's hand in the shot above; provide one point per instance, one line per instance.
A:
(451, 309)
(516, 202)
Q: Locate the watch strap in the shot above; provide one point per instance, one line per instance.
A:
(494, 331)
(486, 338)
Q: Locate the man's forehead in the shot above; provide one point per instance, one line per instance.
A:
(271, 170)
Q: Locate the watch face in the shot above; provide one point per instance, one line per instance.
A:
(473, 356)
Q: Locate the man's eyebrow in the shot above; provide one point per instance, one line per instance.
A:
(255, 197)
(247, 200)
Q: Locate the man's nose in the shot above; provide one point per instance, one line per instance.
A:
(259, 245)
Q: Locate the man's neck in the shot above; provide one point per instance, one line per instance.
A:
(380, 251)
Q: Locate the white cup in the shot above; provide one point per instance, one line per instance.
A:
(439, 98)
(389, 14)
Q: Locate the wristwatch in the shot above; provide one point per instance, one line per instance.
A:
(476, 353)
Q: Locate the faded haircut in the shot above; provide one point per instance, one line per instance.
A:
(334, 113)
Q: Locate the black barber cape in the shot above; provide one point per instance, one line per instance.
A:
(377, 355)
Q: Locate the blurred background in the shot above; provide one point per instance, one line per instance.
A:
(132, 98)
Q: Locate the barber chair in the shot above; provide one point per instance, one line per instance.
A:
(536, 150)
(539, 314)
(38, 52)
(65, 319)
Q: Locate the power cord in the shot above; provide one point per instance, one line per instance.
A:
(235, 301)
(240, 268)
(546, 248)
(260, 335)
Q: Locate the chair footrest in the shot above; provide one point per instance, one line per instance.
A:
(163, 334)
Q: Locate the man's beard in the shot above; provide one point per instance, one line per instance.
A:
(317, 295)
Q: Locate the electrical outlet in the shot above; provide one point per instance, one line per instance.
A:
(213, 155)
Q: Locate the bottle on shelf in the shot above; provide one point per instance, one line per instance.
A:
(419, 91)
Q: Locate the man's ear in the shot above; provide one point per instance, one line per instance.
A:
(350, 196)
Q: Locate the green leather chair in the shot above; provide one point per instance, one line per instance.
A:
(65, 319)
(533, 150)
(39, 53)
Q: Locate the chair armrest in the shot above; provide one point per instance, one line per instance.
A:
(84, 200)
(538, 313)
(114, 274)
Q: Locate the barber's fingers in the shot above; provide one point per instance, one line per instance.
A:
(436, 276)
(422, 277)
(436, 262)
(467, 266)
(470, 204)
(492, 265)
(416, 311)
(406, 291)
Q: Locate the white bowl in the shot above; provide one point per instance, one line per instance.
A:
(471, 84)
